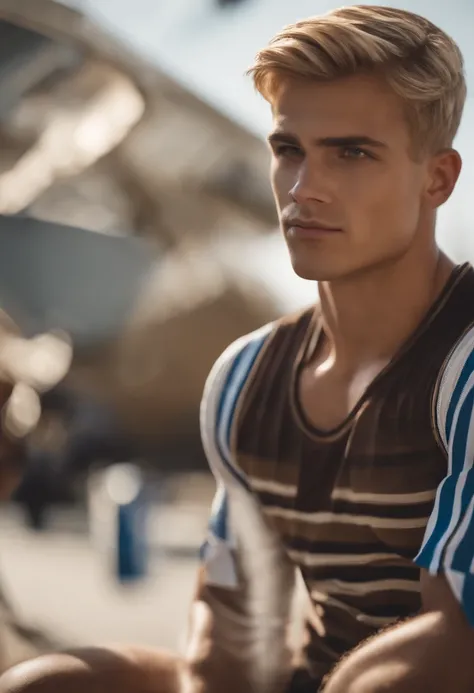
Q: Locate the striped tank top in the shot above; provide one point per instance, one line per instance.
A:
(350, 506)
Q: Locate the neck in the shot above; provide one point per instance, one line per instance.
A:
(369, 316)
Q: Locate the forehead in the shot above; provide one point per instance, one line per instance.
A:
(362, 105)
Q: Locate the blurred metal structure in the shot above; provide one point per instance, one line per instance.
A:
(95, 137)
(229, 3)
(182, 148)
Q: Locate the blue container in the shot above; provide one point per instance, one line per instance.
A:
(126, 491)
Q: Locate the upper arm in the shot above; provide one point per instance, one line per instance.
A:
(448, 546)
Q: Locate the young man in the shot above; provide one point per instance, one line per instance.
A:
(341, 438)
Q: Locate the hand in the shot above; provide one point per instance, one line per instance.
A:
(27, 368)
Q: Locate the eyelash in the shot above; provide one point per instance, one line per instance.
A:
(286, 150)
(357, 150)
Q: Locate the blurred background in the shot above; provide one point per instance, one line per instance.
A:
(134, 119)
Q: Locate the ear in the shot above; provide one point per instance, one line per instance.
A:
(443, 173)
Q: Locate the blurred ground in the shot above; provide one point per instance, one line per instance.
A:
(60, 582)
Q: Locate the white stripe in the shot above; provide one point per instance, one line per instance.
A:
(449, 378)
(456, 581)
(231, 396)
(335, 559)
(235, 387)
(448, 382)
(375, 621)
(433, 519)
(363, 588)
(210, 403)
(347, 494)
(322, 518)
(467, 464)
(258, 640)
(208, 411)
(268, 486)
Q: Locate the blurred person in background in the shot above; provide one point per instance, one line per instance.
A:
(341, 438)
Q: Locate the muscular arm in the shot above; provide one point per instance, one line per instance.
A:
(237, 633)
(432, 653)
(211, 655)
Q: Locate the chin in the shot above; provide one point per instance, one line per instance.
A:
(333, 267)
(319, 264)
(314, 272)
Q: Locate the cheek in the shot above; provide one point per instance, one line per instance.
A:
(283, 181)
(386, 201)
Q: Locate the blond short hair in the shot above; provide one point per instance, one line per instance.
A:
(419, 61)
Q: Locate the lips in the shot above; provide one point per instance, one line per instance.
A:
(314, 224)
(312, 230)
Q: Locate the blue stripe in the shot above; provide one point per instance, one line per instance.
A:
(464, 553)
(234, 389)
(218, 523)
(461, 434)
(230, 377)
(257, 347)
(223, 455)
(234, 383)
(466, 372)
(448, 486)
(203, 551)
(445, 511)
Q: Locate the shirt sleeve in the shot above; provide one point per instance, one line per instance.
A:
(234, 500)
(448, 545)
(242, 554)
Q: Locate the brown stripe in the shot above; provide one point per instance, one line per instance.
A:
(268, 468)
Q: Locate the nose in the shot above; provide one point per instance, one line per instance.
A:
(310, 184)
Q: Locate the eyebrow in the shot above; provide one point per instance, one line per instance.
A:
(344, 141)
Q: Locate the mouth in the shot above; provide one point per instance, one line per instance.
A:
(310, 230)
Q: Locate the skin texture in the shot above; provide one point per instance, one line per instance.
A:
(378, 196)
(96, 670)
(431, 653)
(207, 666)
(378, 270)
